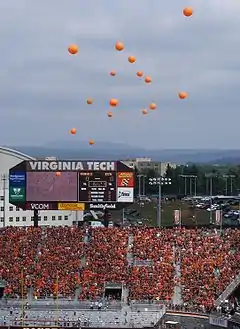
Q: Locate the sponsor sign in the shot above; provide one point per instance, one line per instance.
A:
(17, 179)
(103, 206)
(218, 321)
(125, 194)
(71, 206)
(71, 165)
(16, 194)
(218, 215)
(40, 206)
(125, 179)
(177, 217)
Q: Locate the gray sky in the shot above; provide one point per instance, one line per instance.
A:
(43, 90)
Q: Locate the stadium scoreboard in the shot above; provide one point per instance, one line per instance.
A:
(71, 185)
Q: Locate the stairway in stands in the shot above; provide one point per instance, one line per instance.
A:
(228, 291)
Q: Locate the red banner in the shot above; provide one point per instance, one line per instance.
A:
(125, 179)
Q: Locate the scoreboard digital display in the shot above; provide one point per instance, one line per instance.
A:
(97, 186)
(49, 185)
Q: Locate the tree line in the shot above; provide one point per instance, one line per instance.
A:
(192, 180)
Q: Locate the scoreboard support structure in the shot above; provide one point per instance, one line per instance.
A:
(35, 218)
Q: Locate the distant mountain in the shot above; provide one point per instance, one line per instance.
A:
(226, 161)
(115, 151)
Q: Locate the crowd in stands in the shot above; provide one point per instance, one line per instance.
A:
(59, 260)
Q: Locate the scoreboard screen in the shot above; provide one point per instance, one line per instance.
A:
(71, 185)
(97, 186)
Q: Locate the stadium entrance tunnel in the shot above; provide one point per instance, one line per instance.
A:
(113, 291)
(1, 292)
(2, 286)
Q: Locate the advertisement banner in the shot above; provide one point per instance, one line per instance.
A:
(17, 179)
(77, 206)
(177, 217)
(41, 206)
(218, 321)
(218, 215)
(125, 179)
(125, 194)
(17, 194)
(101, 206)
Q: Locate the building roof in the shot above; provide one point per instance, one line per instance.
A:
(15, 153)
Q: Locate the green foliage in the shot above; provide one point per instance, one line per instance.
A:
(186, 186)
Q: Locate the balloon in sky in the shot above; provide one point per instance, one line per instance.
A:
(113, 73)
(89, 101)
(187, 11)
(73, 131)
(145, 111)
(58, 173)
(132, 59)
(110, 114)
(119, 46)
(139, 74)
(113, 102)
(91, 142)
(182, 95)
(73, 49)
(148, 79)
(152, 106)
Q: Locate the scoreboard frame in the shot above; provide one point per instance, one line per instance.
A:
(122, 185)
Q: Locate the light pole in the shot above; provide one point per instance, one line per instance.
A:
(226, 183)
(160, 181)
(192, 178)
(4, 179)
(141, 192)
(210, 177)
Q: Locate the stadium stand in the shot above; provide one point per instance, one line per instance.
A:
(57, 261)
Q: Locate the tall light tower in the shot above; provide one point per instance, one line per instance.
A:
(4, 179)
(192, 178)
(141, 184)
(226, 177)
(210, 177)
(160, 181)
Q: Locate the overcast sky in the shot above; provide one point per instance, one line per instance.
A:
(43, 90)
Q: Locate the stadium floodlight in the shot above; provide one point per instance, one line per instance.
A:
(143, 185)
(226, 177)
(192, 178)
(210, 177)
(160, 181)
(4, 178)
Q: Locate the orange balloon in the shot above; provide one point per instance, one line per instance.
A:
(145, 111)
(113, 73)
(91, 142)
(113, 102)
(187, 11)
(139, 74)
(183, 95)
(152, 106)
(73, 131)
(110, 114)
(132, 59)
(89, 101)
(73, 49)
(119, 46)
(148, 79)
(58, 173)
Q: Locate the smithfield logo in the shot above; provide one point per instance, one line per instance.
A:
(102, 206)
